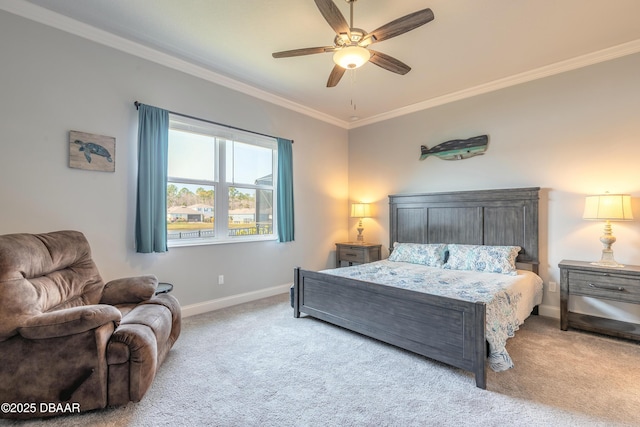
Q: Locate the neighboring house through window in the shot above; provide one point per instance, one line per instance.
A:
(221, 184)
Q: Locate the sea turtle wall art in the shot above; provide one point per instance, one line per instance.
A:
(92, 152)
(457, 149)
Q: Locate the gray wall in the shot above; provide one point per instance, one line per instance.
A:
(572, 134)
(54, 82)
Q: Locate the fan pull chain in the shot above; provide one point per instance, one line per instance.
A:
(352, 78)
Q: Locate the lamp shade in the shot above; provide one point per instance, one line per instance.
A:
(613, 207)
(351, 57)
(360, 210)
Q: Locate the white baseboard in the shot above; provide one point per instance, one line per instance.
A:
(549, 311)
(216, 304)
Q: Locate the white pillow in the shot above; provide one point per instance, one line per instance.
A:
(429, 254)
(491, 259)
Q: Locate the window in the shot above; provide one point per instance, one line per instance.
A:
(221, 184)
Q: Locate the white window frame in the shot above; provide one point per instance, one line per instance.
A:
(220, 185)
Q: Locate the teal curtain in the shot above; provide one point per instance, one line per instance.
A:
(151, 206)
(285, 190)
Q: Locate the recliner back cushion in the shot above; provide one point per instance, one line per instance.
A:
(44, 272)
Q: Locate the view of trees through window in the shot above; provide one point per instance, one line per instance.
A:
(185, 197)
(191, 213)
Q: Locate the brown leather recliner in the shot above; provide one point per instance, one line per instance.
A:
(68, 341)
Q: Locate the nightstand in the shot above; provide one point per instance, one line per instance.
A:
(357, 252)
(614, 284)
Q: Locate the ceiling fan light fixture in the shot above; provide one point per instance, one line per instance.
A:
(350, 45)
(351, 57)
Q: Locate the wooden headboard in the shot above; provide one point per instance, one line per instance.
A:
(484, 217)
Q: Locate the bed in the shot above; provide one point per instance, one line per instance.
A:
(441, 327)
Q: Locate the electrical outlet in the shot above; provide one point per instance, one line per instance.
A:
(553, 287)
(221, 279)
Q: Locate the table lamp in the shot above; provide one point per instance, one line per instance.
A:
(608, 207)
(360, 210)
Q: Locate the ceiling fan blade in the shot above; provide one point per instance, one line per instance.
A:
(333, 16)
(335, 76)
(303, 51)
(401, 25)
(388, 63)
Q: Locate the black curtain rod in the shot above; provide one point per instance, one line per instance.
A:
(137, 104)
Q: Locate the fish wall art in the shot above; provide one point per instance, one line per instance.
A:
(457, 149)
(92, 152)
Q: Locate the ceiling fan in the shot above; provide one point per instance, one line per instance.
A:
(351, 44)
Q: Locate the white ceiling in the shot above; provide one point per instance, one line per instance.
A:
(470, 47)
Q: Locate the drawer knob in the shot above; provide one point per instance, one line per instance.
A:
(608, 288)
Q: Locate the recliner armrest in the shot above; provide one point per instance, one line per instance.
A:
(69, 321)
(130, 290)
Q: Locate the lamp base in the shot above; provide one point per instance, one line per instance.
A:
(607, 239)
(607, 260)
(607, 264)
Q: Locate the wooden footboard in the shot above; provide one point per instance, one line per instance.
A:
(448, 330)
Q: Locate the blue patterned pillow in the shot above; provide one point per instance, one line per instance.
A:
(490, 259)
(431, 255)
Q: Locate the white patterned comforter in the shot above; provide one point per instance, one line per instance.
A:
(509, 299)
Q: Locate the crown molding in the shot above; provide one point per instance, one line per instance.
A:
(61, 22)
(80, 29)
(603, 55)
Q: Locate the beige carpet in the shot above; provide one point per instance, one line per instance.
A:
(255, 365)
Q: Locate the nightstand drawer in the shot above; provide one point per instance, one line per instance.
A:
(604, 285)
(351, 254)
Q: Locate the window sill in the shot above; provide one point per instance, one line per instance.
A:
(208, 242)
